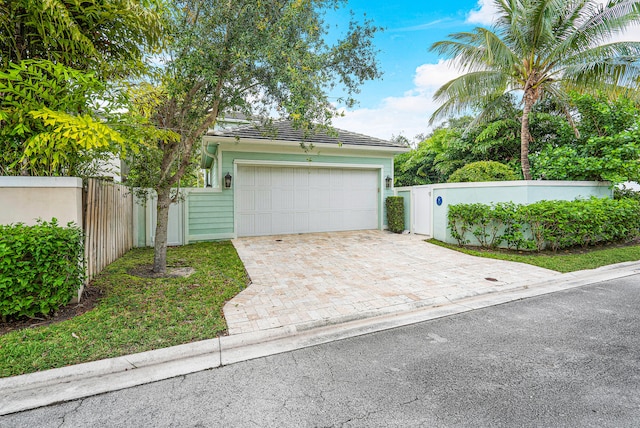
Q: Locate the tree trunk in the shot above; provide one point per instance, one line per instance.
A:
(525, 134)
(162, 224)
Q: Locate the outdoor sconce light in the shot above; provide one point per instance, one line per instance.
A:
(387, 182)
(227, 181)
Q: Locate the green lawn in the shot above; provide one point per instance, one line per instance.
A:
(561, 261)
(136, 314)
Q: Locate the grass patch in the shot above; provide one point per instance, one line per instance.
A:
(135, 314)
(567, 261)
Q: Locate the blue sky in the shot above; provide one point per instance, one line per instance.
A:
(401, 102)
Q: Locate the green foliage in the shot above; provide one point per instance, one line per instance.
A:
(601, 117)
(546, 224)
(477, 219)
(110, 37)
(41, 267)
(544, 49)
(419, 166)
(395, 213)
(483, 171)
(50, 120)
(626, 193)
(609, 158)
(606, 147)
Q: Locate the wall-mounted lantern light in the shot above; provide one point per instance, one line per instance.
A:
(227, 181)
(387, 182)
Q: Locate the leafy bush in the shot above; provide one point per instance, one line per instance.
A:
(546, 224)
(41, 267)
(484, 226)
(395, 213)
(610, 158)
(624, 192)
(483, 171)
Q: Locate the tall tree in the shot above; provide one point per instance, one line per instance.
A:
(542, 48)
(259, 57)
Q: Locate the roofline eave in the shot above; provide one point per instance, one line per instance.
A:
(208, 139)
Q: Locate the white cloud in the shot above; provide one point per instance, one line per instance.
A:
(407, 114)
(484, 15)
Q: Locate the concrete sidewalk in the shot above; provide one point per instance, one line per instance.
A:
(34, 390)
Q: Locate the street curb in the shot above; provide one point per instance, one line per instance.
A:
(30, 391)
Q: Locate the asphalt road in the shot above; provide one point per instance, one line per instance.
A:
(569, 359)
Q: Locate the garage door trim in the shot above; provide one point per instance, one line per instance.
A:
(249, 162)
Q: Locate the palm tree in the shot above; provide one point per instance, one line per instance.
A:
(540, 49)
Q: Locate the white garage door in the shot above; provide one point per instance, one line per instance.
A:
(281, 200)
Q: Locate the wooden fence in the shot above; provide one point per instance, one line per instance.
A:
(108, 223)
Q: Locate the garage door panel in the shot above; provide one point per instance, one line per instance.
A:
(360, 218)
(246, 200)
(280, 200)
(262, 199)
(301, 222)
(318, 178)
(282, 177)
(281, 222)
(301, 177)
(336, 220)
(263, 177)
(248, 178)
(319, 221)
(246, 223)
(320, 200)
(301, 199)
(263, 224)
(336, 200)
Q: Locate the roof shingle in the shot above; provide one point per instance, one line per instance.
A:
(284, 131)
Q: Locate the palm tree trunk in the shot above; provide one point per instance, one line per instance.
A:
(525, 134)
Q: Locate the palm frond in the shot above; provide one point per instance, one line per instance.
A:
(603, 76)
(601, 23)
(476, 50)
(467, 92)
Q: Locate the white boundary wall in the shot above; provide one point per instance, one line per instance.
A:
(25, 199)
(440, 196)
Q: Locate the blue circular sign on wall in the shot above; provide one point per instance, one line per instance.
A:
(439, 200)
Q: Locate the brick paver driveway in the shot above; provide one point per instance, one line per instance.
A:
(317, 279)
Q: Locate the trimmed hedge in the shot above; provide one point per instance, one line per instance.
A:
(41, 267)
(546, 224)
(395, 213)
(483, 171)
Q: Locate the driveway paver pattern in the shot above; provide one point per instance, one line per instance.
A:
(318, 279)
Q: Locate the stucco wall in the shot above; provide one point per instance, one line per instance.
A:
(25, 199)
(520, 192)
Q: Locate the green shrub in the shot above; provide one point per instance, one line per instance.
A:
(484, 225)
(624, 192)
(41, 267)
(546, 224)
(395, 213)
(483, 171)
